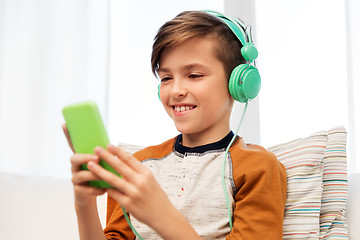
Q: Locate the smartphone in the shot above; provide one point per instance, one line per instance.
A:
(87, 130)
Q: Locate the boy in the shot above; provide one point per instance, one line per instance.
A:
(174, 190)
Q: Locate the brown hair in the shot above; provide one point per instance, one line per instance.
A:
(191, 24)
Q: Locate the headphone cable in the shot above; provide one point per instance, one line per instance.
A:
(131, 226)
(224, 164)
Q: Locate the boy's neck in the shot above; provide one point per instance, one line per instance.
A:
(201, 138)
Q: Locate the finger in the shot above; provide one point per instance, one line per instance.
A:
(80, 189)
(114, 180)
(121, 198)
(117, 163)
(125, 157)
(78, 159)
(82, 177)
(67, 135)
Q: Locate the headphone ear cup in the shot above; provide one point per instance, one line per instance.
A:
(244, 83)
(159, 91)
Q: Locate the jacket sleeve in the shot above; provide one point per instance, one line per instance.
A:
(260, 181)
(116, 224)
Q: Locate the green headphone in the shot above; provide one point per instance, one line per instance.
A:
(245, 81)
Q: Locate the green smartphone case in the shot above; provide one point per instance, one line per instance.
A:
(87, 130)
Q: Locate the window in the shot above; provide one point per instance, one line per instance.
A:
(303, 61)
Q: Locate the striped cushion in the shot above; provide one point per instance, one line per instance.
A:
(302, 159)
(335, 187)
(317, 185)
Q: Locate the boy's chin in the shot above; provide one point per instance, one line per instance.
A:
(188, 131)
(184, 130)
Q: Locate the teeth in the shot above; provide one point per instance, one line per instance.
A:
(183, 108)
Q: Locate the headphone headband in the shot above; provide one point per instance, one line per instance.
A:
(242, 32)
(235, 25)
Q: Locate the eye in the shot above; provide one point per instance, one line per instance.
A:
(196, 76)
(165, 79)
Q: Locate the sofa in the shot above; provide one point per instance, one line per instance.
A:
(38, 207)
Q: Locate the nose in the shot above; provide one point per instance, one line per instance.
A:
(178, 88)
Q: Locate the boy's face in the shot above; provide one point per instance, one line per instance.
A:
(194, 90)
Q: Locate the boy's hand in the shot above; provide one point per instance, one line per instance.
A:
(138, 191)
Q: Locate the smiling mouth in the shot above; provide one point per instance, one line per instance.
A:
(183, 108)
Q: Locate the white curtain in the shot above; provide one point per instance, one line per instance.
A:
(52, 53)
